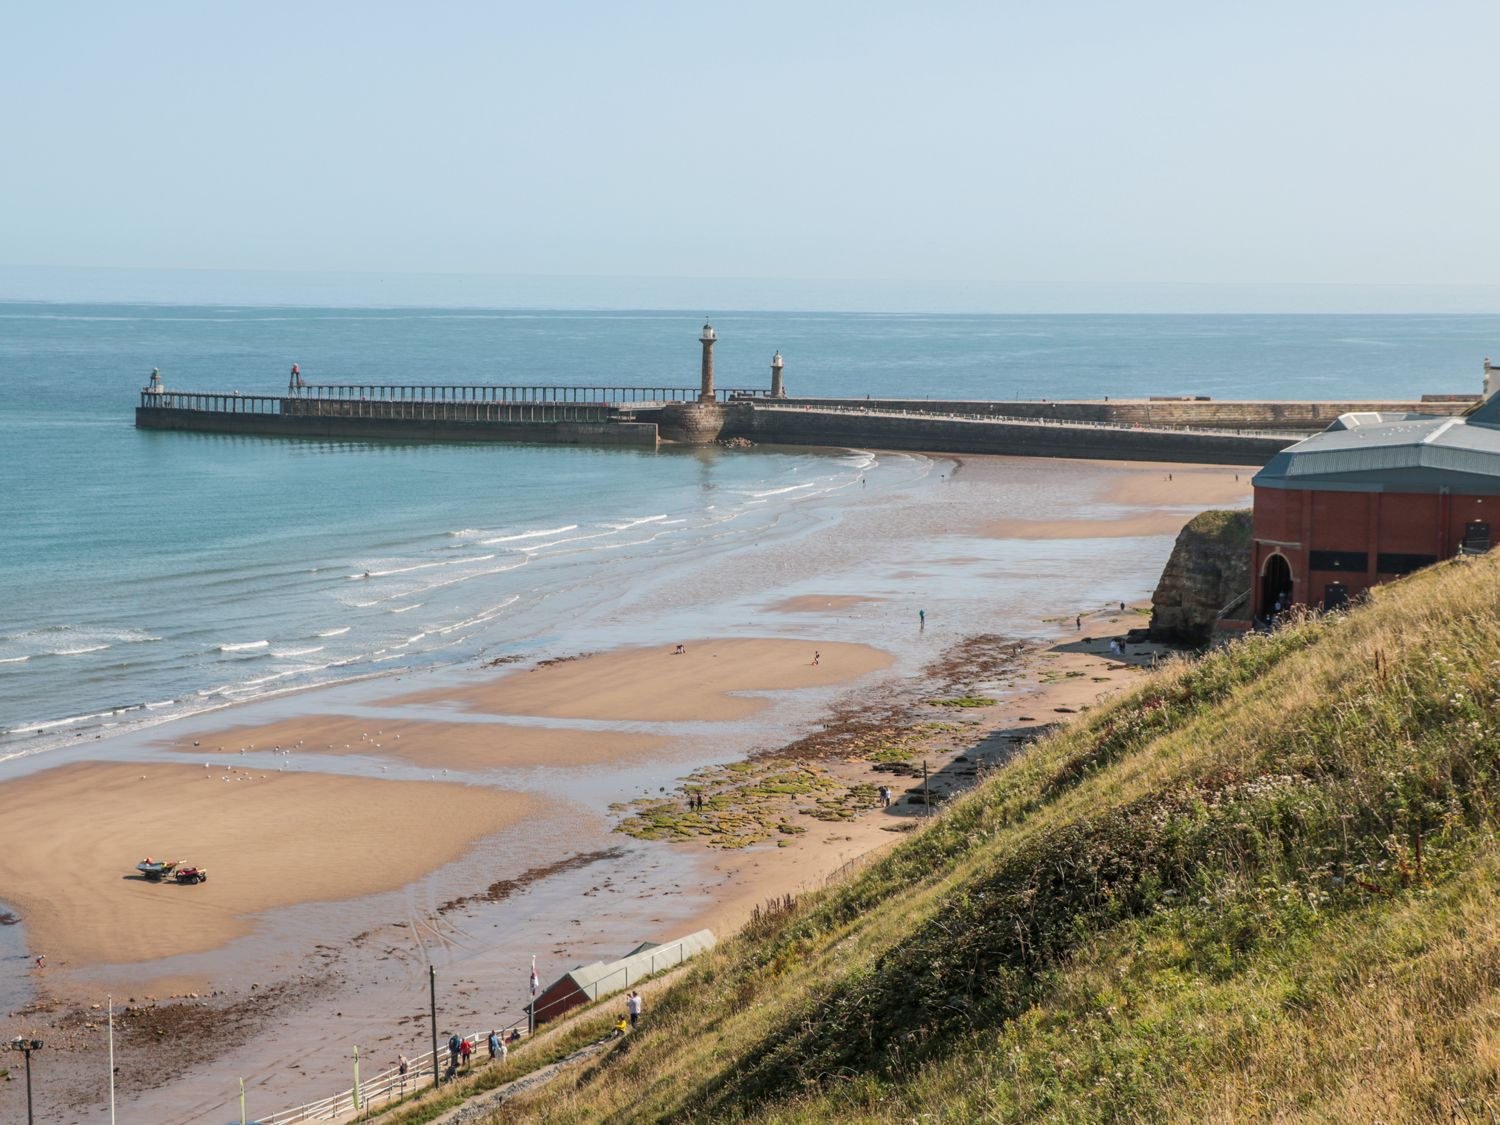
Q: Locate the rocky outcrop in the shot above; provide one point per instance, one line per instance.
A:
(1209, 569)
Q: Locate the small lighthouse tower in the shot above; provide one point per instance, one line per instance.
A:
(777, 390)
(154, 387)
(707, 339)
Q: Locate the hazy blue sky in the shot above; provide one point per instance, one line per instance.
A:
(1072, 144)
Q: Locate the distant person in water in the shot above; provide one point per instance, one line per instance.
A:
(1078, 622)
(922, 618)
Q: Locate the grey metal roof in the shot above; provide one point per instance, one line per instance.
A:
(1368, 452)
(638, 963)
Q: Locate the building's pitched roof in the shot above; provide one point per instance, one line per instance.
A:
(1368, 452)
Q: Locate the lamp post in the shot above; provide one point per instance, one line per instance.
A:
(26, 1046)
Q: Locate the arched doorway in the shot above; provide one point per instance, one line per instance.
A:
(1275, 585)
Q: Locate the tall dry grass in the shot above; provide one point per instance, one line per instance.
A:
(1259, 887)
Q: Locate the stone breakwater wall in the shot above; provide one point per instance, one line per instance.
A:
(635, 434)
(933, 434)
(1293, 417)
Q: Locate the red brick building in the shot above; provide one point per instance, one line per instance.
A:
(1371, 498)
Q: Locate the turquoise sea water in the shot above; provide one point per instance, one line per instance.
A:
(147, 574)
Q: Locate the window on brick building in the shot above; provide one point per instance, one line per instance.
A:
(1335, 595)
(1394, 564)
(1354, 561)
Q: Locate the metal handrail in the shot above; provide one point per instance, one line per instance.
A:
(233, 402)
(515, 392)
(216, 402)
(390, 1083)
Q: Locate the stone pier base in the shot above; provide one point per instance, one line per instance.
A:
(691, 423)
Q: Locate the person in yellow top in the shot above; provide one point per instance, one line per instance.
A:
(621, 1026)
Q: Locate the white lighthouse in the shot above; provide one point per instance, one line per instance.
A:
(777, 390)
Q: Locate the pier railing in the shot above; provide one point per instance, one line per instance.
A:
(448, 395)
(215, 402)
(493, 392)
(454, 411)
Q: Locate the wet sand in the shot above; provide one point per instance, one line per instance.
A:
(819, 603)
(1151, 523)
(267, 839)
(659, 685)
(1152, 499)
(1147, 485)
(435, 745)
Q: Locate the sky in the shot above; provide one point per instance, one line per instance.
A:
(997, 154)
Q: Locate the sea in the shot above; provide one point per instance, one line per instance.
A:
(145, 576)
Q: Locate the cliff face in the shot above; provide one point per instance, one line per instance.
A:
(1209, 568)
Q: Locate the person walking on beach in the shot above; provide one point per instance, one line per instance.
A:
(634, 1007)
(1078, 622)
(885, 796)
(922, 618)
(817, 658)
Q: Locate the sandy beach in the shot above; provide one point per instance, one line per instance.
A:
(472, 746)
(1163, 484)
(1152, 499)
(267, 839)
(659, 684)
(1046, 683)
(557, 740)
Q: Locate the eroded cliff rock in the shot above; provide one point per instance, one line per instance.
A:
(1209, 568)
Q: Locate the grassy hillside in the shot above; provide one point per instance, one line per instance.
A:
(1263, 885)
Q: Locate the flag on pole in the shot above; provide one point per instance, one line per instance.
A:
(534, 981)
